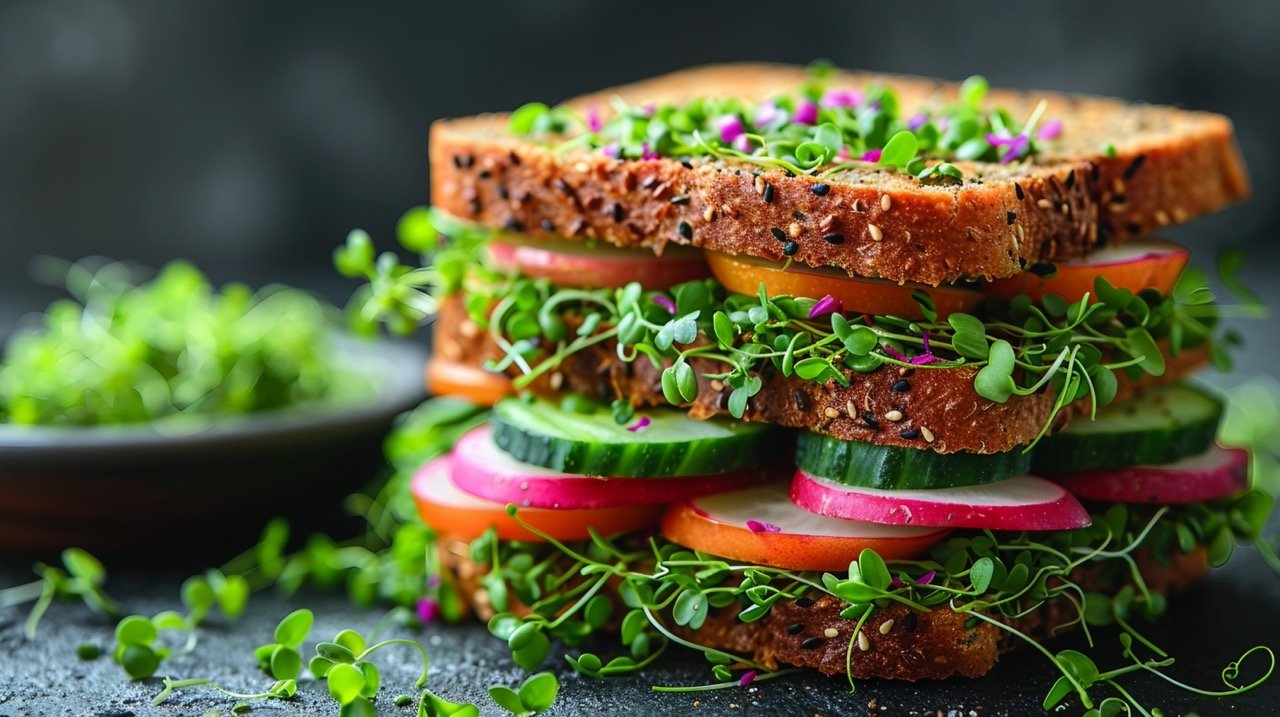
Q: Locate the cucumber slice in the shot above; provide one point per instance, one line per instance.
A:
(864, 465)
(593, 443)
(1162, 424)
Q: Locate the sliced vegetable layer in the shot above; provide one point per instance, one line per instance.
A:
(1021, 503)
(450, 511)
(658, 444)
(486, 471)
(860, 464)
(454, 378)
(744, 275)
(1162, 424)
(759, 525)
(594, 265)
(1148, 263)
(1216, 473)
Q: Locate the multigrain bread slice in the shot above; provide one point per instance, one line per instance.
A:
(1168, 165)
(901, 644)
(936, 408)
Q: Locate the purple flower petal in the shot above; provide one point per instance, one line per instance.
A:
(594, 124)
(665, 302)
(806, 112)
(646, 154)
(1051, 130)
(922, 359)
(998, 140)
(428, 610)
(757, 526)
(743, 143)
(826, 305)
(747, 678)
(841, 98)
(612, 149)
(895, 583)
(639, 425)
(917, 121)
(433, 581)
(926, 578)
(843, 155)
(730, 127)
(1018, 146)
(924, 337)
(872, 155)
(893, 353)
(768, 113)
(648, 109)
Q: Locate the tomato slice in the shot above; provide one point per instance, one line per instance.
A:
(784, 535)
(1148, 263)
(453, 378)
(745, 274)
(444, 507)
(594, 265)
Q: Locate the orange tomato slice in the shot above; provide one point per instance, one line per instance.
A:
(745, 274)
(453, 378)
(600, 266)
(785, 536)
(1148, 263)
(447, 509)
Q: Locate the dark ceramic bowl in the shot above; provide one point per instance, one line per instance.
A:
(112, 489)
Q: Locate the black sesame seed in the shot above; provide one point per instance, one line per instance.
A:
(513, 225)
(795, 627)
(909, 434)
(515, 158)
(686, 164)
(804, 602)
(484, 174)
(1017, 188)
(1134, 228)
(563, 186)
(685, 229)
(811, 643)
(548, 225)
(768, 193)
(834, 238)
(1011, 217)
(618, 212)
(1022, 262)
(503, 193)
(870, 419)
(820, 189)
(1043, 268)
(908, 373)
(1071, 179)
(902, 385)
(463, 161)
(778, 234)
(802, 400)
(683, 199)
(1134, 166)
(1119, 199)
(910, 621)
(790, 248)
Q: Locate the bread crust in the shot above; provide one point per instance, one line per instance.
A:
(1169, 165)
(939, 408)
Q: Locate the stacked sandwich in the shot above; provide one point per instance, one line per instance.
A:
(871, 374)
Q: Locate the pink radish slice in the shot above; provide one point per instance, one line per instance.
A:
(1216, 473)
(1021, 503)
(486, 471)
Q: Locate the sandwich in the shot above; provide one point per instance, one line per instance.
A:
(872, 375)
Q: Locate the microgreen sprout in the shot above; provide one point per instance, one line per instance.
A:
(81, 577)
(534, 696)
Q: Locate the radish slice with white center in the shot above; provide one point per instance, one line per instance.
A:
(760, 526)
(450, 511)
(486, 471)
(1216, 473)
(1021, 503)
(1136, 265)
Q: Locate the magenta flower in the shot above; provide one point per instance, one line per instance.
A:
(917, 121)
(1014, 147)
(843, 154)
(743, 144)
(730, 127)
(648, 109)
(612, 149)
(594, 124)
(806, 112)
(665, 302)
(826, 305)
(926, 578)
(747, 678)
(896, 583)
(639, 425)
(647, 154)
(1051, 130)
(841, 98)
(757, 526)
(872, 155)
(769, 113)
(428, 610)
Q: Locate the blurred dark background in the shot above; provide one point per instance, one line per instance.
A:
(251, 136)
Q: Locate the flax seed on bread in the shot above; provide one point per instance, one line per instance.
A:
(1168, 165)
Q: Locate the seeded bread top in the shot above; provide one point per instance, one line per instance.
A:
(1116, 171)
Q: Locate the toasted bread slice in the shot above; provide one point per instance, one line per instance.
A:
(939, 408)
(1168, 165)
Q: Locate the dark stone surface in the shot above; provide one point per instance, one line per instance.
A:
(1205, 629)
